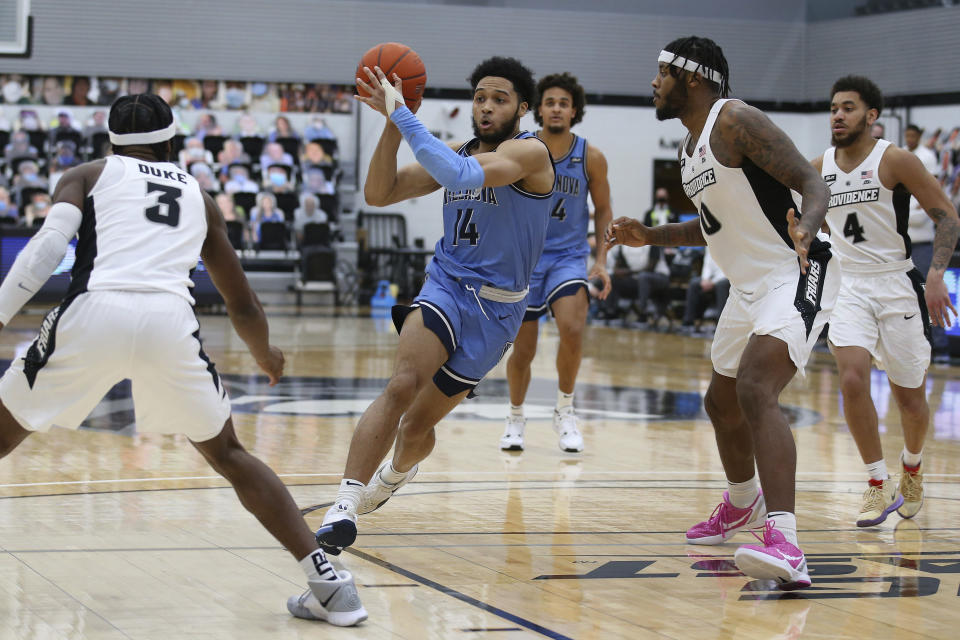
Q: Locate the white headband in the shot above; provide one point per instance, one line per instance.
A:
(147, 137)
(689, 65)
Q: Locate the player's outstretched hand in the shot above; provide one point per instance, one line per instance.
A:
(377, 100)
(801, 239)
(272, 365)
(599, 272)
(628, 232)
(938, 302)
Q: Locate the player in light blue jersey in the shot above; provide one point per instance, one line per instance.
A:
(559, 282)
(496, 207)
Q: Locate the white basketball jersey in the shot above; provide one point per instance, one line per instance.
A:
(743, 212)
(142, 229)
(868, 222)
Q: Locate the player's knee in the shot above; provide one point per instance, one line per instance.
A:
(914, 405)
(854, 384)
(721, 410)
(571, 331)
(754, 394)
(402, 388)
(522, 353)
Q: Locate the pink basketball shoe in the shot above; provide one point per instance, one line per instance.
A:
(726, 520)
(776, 559)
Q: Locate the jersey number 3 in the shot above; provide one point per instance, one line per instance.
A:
(167, 209)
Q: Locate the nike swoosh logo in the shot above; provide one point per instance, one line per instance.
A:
(324, 603)
(739, 523)
(504, 317)
(906, 317)
(786, 556)
(20, 284)
(351, 483)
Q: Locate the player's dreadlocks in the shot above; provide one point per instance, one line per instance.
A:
(140, 113)
(705, 52)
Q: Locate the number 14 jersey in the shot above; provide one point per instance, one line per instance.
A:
(868, 222)
(143, 226)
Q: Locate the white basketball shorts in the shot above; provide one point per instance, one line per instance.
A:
(790, 306)
(99, 338)
(886, 314)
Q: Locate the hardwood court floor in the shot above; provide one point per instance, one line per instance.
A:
(106, 533)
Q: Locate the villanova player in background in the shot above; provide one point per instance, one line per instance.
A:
(738, 168)
(882, 310)
(559, 282)
(496, 204)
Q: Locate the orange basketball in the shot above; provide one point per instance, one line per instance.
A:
(396, 58)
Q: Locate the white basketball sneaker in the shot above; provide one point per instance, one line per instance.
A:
(566, 425)
(512, 438)
(334, 601)
(378, 491)
(339, 528)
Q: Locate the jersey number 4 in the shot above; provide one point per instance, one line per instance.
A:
(167, 209)
(464, 229)
(559, 212)
(853, 228)
(710, 224)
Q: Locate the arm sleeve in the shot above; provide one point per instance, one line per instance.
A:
(38, 259)
(451, 170)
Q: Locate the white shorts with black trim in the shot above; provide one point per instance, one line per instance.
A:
(97, 339)
(791, 306)
(886, 314)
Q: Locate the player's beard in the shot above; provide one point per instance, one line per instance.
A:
(852, 134)
(496, 136)
(557, 129)
(674, 102)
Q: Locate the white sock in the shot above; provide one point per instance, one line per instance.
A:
(742, 494)
(317, 567)
(877, 470)
(786, 524)
(516, 411)
(349, 493)
(564, 402)
(911, 459)
(391, 475)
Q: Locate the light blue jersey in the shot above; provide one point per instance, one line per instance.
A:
(569, 213)
(493, 235)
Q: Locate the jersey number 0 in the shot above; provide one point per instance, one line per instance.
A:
(167, 209)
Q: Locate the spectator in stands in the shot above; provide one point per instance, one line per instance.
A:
(308, 212)
(36, 211)
(96, 124)
(273, 153)
(247, 126)
(28, 177)
(639, 274)
(207, 99)
(109, 91)
(231, 153)
(230, 211)
(14, 90)
(64, 129)
(194, 151)
(315, 181)
(19, 147)
(240, 180)
(711, 283)
(235, 96)
(207, 125)
(278, 179)
(660, 212)
(79, 92)
(7, 207)
(29, 120)
(205, 178)
(51, 90)
(314, 155)
(877, 131)
(318, 129)
(64, 158)
(264, 97)
(265, 211)
(282, 129)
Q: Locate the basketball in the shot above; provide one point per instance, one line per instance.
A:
(396, 58)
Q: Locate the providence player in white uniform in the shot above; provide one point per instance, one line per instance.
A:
(141, 224)
(882, 309)
(739, 169)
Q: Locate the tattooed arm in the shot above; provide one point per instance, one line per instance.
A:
(633, 233)
(744, 132)
(902, 167)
